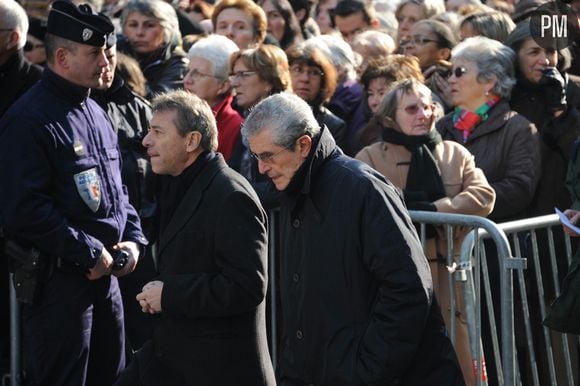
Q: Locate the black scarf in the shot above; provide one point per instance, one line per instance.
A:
(424, 175)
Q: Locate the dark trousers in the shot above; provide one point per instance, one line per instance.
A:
(75, 335)
(147, 370)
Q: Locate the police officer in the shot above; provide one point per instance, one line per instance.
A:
(61, 194)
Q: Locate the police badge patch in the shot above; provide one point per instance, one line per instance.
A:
(87, 33)
(89, 188)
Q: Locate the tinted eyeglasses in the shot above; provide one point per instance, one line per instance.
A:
(266, 157)
(458, 72)
(241, 75)
(414, 109)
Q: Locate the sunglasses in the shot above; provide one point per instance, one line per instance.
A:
(414, 109)
(458, 72)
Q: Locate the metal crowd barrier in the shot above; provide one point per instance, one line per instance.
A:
(549, 357)
(471, 270)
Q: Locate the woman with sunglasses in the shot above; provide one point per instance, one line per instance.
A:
(435, 175)
(504, 143)
(376, 80)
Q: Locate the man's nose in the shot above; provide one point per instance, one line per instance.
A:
(263, 167)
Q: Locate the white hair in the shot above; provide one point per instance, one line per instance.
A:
(14, 16)
(217, 50)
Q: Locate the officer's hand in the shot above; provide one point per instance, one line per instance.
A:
(150, 297)
(553, 86)
(103, 266)
(133, 249)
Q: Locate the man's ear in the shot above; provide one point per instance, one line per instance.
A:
(13, 39)
(193, 141)
(61, 57)
(304, 146)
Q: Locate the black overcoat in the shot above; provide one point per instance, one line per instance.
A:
(356, 289)
(212, 260)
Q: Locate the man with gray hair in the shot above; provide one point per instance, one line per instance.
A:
(17, 74)
(355, 287)
(212, 260)
(208, 78)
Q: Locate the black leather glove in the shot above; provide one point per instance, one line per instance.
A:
(553, 85)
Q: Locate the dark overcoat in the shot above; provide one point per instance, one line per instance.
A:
(356, 290)
(213, 262)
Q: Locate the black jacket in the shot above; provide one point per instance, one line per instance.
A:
(557, 137)
(336, 125)
(213, 262)
(130, 115)
(164, 70)
(356, 291)
(17, 75)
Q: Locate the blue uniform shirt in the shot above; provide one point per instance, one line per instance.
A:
(60, 179)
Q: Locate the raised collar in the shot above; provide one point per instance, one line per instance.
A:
(323, 148)
(69, 91)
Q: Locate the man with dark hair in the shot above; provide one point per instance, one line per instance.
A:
(353, 17)
(212, 253)
(355, 287)
(69, 226)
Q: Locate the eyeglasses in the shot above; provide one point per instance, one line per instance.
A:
(32, 46)
(414, 109)
(241, 75)
(458, 72)
(311, 71)
(418, 40)
(267, 157)
(6, 29)
(196, 74)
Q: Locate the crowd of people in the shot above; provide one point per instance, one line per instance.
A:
(143, 142)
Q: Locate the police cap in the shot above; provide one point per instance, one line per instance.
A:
(79, 24)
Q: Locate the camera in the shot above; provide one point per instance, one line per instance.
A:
(120, 259)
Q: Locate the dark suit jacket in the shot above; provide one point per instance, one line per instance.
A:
(213, 263)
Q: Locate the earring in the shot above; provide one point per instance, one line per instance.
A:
(487, 93)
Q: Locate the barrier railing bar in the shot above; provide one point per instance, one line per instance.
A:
(526, 314)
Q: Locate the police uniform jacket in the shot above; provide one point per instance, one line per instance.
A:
(356, 290)
(64, 196)
(213, 263)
